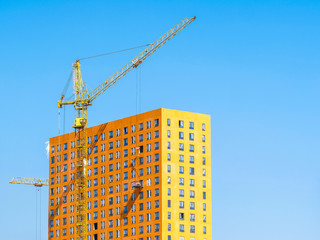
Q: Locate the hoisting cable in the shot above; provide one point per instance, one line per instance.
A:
(140, 67)
(65, 89)
(138, 89)
(59, 122)
(36, 214)
(104, 54)
(64, 120)
(40, 215)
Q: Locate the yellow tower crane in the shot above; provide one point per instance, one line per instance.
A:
(83, 99)
(37, 182)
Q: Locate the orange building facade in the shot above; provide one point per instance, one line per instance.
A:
(149, 178)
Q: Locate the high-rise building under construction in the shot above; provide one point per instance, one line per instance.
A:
(148, 178)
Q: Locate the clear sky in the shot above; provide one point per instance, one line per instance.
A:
(252, 65)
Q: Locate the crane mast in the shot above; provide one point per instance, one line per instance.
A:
(82, 100)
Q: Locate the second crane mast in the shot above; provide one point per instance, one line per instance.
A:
(82, 100)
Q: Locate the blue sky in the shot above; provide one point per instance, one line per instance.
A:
(252, 65)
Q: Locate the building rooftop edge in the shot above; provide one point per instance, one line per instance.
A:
(158, 109)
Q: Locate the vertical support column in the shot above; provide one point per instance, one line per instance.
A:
(80, 125)
(81, 175)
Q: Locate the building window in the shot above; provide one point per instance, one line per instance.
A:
(192, 217)
(125, 153)
(95, 149)
(156, 157)
(192, 205)
(168, 122)
(181, 204)
(191, 171)
(204, 183)
(169, 180)
(203, 127)
(181, 228)
(191, 159)
(181, 169)
(191, 136)
(181, 135)
(181, 146)
(168, 133)
(125, 130)
(169, 145)
(156, 180)
(102, 136)
(192, 182)
(181, 124)
(191, 125)
(169, 157)
(181, 193)
(192, 194)
(169, 168)
(169, 203)
(149, 136)
(110, 134)
(156, 122)
(191, 148)
(192, 229)
(140, 137)
(203, 138)
(204, 161)
(133, 128)
(203, 149)
(95, 138)
(140, 126)
(118, 132)
(156, 134)
(181, 181)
